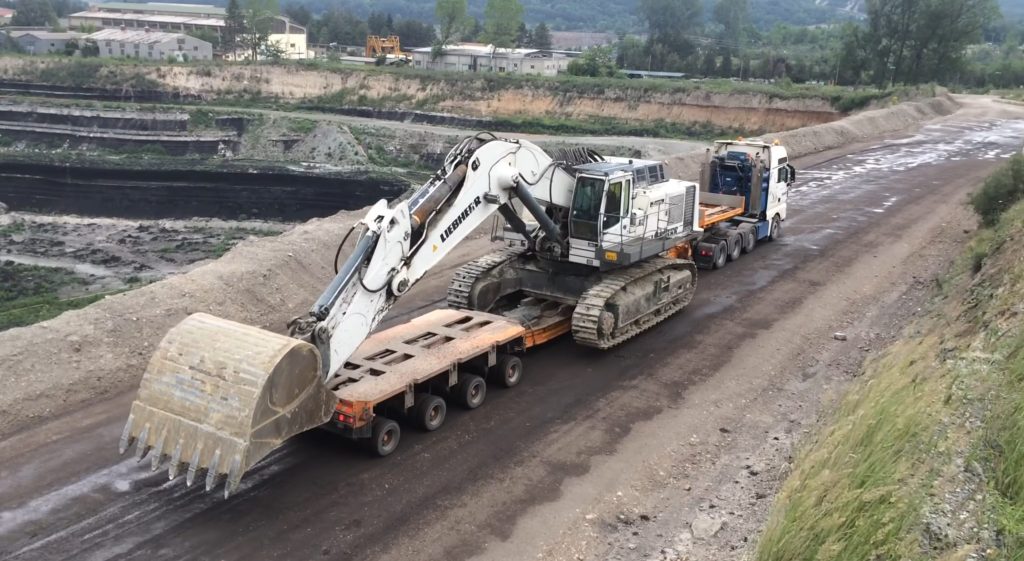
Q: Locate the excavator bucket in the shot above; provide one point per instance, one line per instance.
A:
(218, 396)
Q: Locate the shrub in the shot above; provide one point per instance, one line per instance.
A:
(1000, 191)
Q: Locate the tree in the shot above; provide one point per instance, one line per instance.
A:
(669, 23)
(234, 26)
(523, 36)
(34, 13)
(473, 32)
(632, 54)
(451, 18)
(595, 62)
(379, 23)
(708, 64)
(725, 68)
(733, 16)
(299, 13)
(541, 37)
(501, 21)
(414, 34)
(259, 22)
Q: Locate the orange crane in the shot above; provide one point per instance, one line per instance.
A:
(390, 46)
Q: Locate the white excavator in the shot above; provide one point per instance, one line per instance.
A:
(613, 239)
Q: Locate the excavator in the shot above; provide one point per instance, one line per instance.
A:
(609, 237)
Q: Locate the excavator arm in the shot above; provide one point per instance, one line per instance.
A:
(218, 396)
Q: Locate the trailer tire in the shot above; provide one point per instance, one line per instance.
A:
(471, 391)
(721, 254)
(385, 436)
(508, 372)
(429, 412)
(776, 229)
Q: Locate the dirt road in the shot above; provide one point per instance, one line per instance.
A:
(597, 454)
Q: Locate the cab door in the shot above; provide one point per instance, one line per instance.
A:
(615, 212)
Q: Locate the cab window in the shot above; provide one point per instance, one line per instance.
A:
(783, 174)
(616, 200)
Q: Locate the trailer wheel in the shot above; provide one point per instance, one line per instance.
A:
(749, 241)
(508, 372)
(721, 254)
(429, 412)
(385, 436)
(471, 391)
(776, 229)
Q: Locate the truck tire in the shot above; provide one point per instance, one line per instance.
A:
(429, 412)
(735, 246)
(721, 254)
(776, 229)
(508, 372)
(384, 437)
(749, 241)
(471, 391)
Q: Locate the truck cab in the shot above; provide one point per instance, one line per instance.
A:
(755, 170)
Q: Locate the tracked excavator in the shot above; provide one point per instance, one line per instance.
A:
(608, 239)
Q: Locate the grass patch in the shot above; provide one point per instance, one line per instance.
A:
(29, 293)
(603, 126)
(857, 491)
(868, 485)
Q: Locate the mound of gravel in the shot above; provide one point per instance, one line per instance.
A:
(86, 355)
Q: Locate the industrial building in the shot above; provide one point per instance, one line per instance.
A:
(184, 18)
(476, 57)
(35, 42)
(150, 45)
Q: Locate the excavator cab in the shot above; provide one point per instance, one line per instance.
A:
(600, 207)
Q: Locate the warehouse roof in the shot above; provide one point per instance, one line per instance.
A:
(213, 22)
(202, 9)
(48, 35)
(134, 36)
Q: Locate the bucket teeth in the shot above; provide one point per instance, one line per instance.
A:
(142, 446)
(158, 456)
(172, 470)
(193, 467)
(126, 436)
(213, 479)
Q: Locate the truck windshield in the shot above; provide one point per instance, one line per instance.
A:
(586, 208)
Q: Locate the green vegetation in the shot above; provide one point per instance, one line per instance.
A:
(29, 293)
(950, 393)
(605, 126)
(1000, 192)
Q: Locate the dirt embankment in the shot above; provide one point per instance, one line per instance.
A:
(466, 95)
(101, 350)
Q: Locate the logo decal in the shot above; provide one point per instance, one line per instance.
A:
(460, 219)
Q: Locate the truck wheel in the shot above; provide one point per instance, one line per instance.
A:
(736, 243)
(721, 254)
(429, 412)
(385, 436)
(509, 370)
(749, 241)
(776, 230)
(471, 391)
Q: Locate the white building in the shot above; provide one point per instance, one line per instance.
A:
(150, 45)
(43, 42)
(184, 18)
(475, 57)
(6, 14)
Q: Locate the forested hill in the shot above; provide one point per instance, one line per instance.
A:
(616, 15)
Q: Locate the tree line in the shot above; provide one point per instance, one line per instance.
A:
(900, 41)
